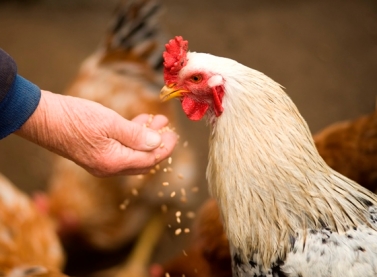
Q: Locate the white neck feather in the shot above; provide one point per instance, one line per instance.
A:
(266, 173)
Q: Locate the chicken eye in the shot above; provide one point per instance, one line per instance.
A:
(196, 78)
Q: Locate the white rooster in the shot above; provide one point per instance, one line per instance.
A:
(285, 212)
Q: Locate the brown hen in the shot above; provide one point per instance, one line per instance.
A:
(350, 147)
(29, 245)
(125, 75)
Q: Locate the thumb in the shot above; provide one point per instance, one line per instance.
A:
(136, 136)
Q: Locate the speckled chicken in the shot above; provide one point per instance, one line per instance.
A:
(29, 245)
(285, 211)
(124, 74)
(350, 147)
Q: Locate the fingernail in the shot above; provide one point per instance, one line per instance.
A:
(153, 139)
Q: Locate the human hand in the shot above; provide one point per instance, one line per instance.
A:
(97, 138)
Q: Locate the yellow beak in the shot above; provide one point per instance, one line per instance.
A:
(170, 92)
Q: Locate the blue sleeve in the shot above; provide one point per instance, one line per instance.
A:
(18, 97)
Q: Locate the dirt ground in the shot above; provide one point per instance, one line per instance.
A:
(323, 52)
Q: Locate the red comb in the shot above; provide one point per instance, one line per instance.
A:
(174, 58)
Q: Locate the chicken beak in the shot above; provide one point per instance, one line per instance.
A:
(170, 92)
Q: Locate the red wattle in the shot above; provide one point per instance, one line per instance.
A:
(218, 93)
(193, 109)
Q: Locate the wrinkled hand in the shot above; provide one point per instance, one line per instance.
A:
(97, 138)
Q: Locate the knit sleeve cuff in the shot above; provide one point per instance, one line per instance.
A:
(18, 105)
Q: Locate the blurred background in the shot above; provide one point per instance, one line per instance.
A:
(323, 52)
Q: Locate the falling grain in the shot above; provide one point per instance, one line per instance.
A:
(169, 169)
(151, 116)
(164, 208)
(170, 160)
(195, 189)
(183, 192)
(178, 220)
(124, 205)
(183, 199)
(172, 194)
(165, 184)
(153, 171)
(186, 230)
(140, 177)
(190, 214)
(157, 167)
(178, 231)
(185, 144)
(178, 214)
(134, 192)
(184, 253)
(160, 194)
(180, 176)
(167, 274)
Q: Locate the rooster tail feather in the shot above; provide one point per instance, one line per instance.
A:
(135, 33)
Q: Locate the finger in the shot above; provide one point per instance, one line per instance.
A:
(134, 135)
(129, 161)
(158, 122)
(155, 122)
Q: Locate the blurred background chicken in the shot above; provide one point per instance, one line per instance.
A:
(107, 214)
(350, 147)
(29, 245)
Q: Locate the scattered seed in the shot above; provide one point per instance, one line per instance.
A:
(160, 194)
(170, 160)
(190, 214)
(195, 189)
(183, 192)
(180, 176)
(185, 144)
(183, 199)
(167, 274)
(164, 208)
(134, 192)
(186, 230)
(172, 194)
(178, 220)
(150, 118)
(169, 226)
(165, 170)
(153, 171)
(165, 184)
(169, 169)
(178, 214)
(140, 176)
(178, 231)
(157, 166)
(184, 253)
(162, 145)
(124, 205)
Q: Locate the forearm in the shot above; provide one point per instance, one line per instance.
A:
(96, 137)
(46, 125)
